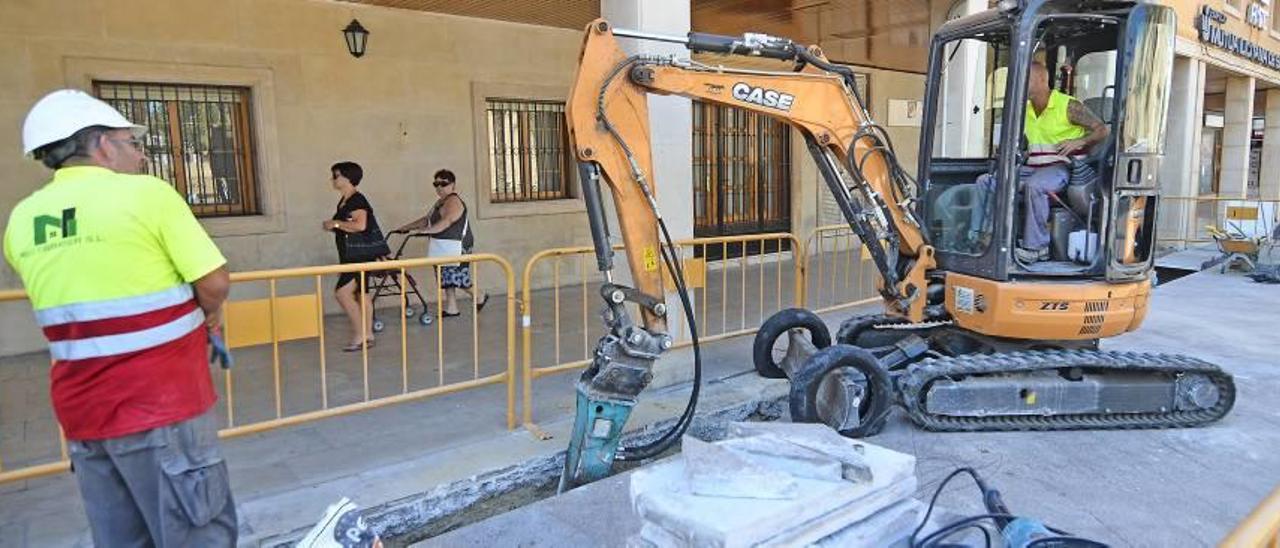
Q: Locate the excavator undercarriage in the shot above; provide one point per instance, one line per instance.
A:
(950, 379)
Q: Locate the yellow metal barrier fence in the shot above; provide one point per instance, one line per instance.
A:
(741, 267)
(1261, 529)
(735, 283)
(1183, 219)
(280, 329)
(23, 379)
(837, 272)
(284, 321)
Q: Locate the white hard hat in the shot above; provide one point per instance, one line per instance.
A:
(62, 113)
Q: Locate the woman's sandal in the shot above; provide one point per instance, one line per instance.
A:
(355, 347)
(484, 301)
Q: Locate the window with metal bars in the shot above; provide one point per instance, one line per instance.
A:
(198, 139)
(741, 172)
(528, 150)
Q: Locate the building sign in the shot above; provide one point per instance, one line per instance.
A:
(1211, 32)
(1258, 13)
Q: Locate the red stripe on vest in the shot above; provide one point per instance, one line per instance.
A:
(116, 326)
(111, 396)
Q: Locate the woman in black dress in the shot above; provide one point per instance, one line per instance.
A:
(353, 219)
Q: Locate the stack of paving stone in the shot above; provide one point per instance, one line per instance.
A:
(776, 484)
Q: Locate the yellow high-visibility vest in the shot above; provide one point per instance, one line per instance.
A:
(1051, 127)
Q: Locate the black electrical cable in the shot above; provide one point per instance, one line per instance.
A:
(1077, 542)
(986, 535)
(973, 521)
(952, 528)
(982, 488)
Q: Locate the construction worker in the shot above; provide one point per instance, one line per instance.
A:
(1057, 127)
(126, 285)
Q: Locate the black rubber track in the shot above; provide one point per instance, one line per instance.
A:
(861, 330)
(916, 379)
(858, 331)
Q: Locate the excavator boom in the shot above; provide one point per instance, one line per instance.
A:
(609, 130)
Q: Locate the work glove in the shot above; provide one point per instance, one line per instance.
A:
(218, 351)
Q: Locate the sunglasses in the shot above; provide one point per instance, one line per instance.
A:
(442, 184)
(132, 141)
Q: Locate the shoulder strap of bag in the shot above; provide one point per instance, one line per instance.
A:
(466, 221)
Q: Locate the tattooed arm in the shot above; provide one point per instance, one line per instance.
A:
(1080, 115)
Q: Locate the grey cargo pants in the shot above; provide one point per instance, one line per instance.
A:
(167, 486)
(1036, 183)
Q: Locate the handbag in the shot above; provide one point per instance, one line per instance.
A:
(444, 248)
(441, 247)
(368, 245)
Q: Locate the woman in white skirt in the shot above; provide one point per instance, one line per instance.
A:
(448, 227)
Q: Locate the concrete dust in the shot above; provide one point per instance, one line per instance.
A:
(540, 480)
(479, 511)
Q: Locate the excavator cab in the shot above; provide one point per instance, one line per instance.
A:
(1113, 57)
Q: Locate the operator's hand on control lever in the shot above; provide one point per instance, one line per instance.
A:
(1066, 148)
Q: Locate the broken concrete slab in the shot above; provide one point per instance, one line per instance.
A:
(817, 437)
(825, 508)
(888, 527)
(674, 514)
(775, 452)
(712, 470)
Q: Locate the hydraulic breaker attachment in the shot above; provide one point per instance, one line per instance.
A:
(607, 390)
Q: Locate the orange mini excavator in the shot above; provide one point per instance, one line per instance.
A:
(972, 336)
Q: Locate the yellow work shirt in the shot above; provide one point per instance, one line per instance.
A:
(1052, 126)
(92, 234)
(108, 260)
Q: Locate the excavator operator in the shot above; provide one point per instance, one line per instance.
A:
(1057, 128)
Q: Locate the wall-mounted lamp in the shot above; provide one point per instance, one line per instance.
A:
(357, 38)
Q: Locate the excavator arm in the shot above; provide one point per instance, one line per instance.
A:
(608, 120)
(609, 130)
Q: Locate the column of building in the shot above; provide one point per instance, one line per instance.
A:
(965, 115)
(1269, 182)
(1236, 132)
(1180, 172)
